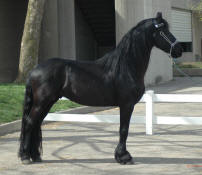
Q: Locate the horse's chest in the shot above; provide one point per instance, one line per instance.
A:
(129, 90)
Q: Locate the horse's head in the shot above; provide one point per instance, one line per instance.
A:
(163, 39)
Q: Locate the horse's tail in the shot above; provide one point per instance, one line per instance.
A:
(28, 101)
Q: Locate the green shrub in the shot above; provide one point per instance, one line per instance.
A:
(11, 102)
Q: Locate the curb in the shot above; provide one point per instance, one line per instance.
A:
(15, 126)
(84, 110)
(8, 128)
(193, 72)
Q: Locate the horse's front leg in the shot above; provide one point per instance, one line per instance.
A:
(122, 156)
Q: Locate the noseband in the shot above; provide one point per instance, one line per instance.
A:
(172, 44)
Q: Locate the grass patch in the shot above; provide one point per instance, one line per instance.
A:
(11, 102)
(190, 65)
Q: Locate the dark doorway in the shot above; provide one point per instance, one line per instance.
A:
(95, 28)
(12, 17)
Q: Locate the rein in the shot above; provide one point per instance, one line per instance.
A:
(183, 73)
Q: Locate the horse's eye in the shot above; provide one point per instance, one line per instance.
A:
(159, 25)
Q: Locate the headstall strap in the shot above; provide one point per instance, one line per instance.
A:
(172, 44)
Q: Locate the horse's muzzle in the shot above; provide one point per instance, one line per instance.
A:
(177, 51)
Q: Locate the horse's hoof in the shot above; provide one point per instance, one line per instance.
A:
(124, 159)
(130, 162)
(37, 160)
(26, 161)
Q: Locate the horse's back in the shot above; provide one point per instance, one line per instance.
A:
(47, 70)
(87, 84)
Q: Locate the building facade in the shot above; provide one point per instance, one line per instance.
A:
(87, 29)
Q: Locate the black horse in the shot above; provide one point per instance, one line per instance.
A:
(117, 79)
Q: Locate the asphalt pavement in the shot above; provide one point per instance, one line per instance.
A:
(72, 148)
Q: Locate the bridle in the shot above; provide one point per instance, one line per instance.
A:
(172, 44)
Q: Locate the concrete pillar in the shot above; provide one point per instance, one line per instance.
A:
(197, 36)
(49, 44)
(128, 14)
(160, 67)
(66, 29)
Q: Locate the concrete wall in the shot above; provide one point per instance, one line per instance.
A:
(128, 14)
(196, 30)
(197, 35)
(181, 4)
(86, 46)
(65, 33)
(49, 43)
(57, 34)
(12, 16)
(159, 58)
(66, 28)
(58, 30)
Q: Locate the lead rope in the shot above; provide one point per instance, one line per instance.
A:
(173, 59)
(182, 72)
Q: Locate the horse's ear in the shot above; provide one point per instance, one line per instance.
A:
(159, 16)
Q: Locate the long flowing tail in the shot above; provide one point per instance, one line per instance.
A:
(28, 101)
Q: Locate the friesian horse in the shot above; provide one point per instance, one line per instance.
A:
(116, 79)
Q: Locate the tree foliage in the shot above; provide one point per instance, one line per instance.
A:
(196, 7)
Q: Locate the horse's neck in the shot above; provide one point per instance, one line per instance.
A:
(96, 68)
(141, 57)
(137, 57)
(133, 58)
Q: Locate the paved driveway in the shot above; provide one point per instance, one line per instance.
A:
(83, 149)
(87, 148)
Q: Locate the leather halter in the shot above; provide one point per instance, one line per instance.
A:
(172, 44)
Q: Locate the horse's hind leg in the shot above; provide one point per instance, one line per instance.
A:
(122, 156)
(32, 134)
(36, 134)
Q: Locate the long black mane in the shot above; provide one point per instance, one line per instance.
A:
(127, 52)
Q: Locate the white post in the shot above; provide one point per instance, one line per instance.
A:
(149, 112)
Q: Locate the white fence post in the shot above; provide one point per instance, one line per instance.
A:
(149, 98)
(149, 112)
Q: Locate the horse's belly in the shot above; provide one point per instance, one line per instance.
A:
(92, 98)
(95, 101)
(93, 93)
